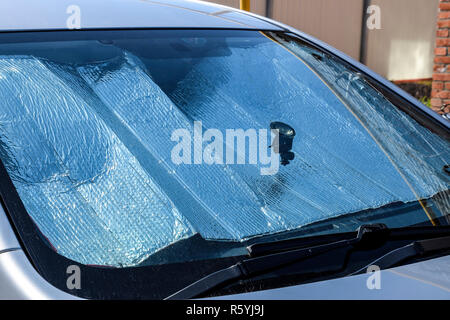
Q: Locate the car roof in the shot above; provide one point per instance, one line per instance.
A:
(18, 15)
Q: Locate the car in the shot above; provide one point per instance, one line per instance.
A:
(182, 149)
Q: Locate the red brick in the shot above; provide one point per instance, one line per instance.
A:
(435, 102)
(444, 6)
(447, 85)
(444, 23)
(437, 85)
(441, 76)
(444, 15)
(442, 33)
(441, 94)
(434, 93)
(439, 68)
(443, 42)
(445, 60)
(440, 51)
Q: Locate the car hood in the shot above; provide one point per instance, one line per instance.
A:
(427, 280)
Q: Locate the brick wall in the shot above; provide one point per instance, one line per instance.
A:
(440, 94)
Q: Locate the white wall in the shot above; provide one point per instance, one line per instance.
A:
(404, 47)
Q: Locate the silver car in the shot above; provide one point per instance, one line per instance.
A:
(179, 149)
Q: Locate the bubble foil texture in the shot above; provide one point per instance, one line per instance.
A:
(88, 148)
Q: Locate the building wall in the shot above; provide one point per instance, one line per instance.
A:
(401, 50)
(335, 22)
(257, 6)
(440, 93)
(404, 47)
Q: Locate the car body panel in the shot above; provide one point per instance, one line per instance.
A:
(102, 14)
(18, 278)
(8, 240)
(424, 280)
(20, 281)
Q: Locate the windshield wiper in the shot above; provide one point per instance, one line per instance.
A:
(414, 249)
(376, 232)
(366, 237)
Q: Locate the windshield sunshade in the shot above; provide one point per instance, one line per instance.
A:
(88, 144)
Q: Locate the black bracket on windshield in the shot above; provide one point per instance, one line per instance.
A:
(282, 143)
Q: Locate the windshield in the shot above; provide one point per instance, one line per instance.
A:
(122, 145)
